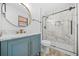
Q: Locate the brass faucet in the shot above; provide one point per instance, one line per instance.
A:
(20, 31)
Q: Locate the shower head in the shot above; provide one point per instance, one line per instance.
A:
(70, 8)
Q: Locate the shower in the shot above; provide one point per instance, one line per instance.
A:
(60, 29)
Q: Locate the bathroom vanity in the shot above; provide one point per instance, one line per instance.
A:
(20, 45)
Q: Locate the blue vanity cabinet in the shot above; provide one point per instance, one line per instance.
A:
(25, 46)
(18, 47)
(35, 44)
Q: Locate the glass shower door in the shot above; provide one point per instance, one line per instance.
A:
(60, 29)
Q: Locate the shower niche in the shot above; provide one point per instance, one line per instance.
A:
(60, 29)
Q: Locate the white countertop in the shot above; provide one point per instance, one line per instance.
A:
(10, 37)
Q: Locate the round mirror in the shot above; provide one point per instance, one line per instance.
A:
(17, 14)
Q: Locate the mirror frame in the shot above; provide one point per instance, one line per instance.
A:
(28, 13)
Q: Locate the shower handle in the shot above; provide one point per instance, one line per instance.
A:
(44, 27)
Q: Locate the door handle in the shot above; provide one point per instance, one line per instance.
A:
(71, 27)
